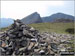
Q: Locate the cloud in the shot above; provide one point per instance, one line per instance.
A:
(20, 9)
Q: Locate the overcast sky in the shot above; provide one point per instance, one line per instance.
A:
(20, 9)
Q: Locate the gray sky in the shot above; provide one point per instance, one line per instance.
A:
(20, 9)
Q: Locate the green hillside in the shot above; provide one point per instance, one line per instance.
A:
(66, 28)
(4, 29)
(55, 27)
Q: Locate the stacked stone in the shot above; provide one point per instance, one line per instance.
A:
(21, 39)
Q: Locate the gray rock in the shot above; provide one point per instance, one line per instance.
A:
(25, 32)
(21, 39)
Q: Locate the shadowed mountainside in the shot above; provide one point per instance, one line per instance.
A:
(32, 18)
(57, 16)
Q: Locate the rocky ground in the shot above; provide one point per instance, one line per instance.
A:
(21, 39)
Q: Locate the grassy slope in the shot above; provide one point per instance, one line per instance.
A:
(53, 27)
(3, 29)
(50, 27)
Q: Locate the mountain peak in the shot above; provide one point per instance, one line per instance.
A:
(35, 13)
(32, 18)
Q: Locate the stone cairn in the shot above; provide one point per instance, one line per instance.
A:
(21, 39)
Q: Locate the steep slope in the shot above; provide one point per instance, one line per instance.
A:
(32, 18)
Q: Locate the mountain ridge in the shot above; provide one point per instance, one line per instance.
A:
(52, 17)
(36, 18)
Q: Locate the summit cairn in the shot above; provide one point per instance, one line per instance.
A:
(21, 39)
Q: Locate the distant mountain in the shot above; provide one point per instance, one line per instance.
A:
(35, 18)
(32, 18)
(56, 16)
(5, 22)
